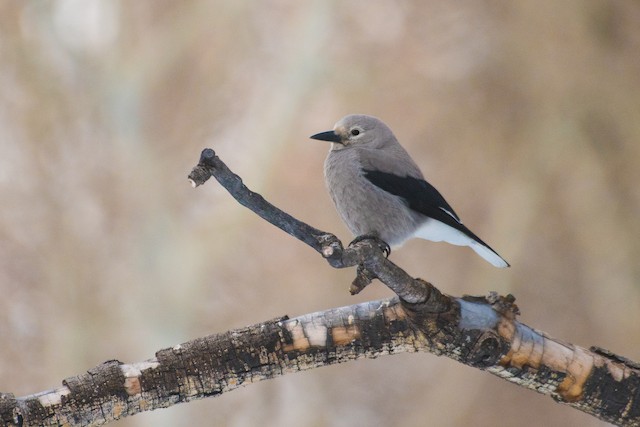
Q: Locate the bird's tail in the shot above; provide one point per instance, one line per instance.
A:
(489, 254)
(437, 231)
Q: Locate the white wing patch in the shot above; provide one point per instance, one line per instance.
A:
(450, 214)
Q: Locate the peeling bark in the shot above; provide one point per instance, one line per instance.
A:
(217, 364)
(471, 332)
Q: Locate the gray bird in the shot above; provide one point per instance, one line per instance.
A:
(380, 192)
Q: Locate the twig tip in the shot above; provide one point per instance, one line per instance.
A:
(207, 154)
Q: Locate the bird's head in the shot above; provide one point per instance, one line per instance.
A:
(357, 130)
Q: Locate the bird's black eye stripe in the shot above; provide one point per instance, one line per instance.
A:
(355, 132)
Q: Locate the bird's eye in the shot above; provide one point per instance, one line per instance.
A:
(355, 132)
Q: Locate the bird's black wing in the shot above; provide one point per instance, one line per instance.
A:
(421, 197)
(418, 193)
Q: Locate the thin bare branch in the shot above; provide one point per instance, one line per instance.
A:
(366, 254)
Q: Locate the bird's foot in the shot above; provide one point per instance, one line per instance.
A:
(384, 246)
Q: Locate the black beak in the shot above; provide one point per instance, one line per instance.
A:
(330, 136)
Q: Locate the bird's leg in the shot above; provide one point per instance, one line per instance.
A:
(384, 246)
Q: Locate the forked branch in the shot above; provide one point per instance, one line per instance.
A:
(478, 331)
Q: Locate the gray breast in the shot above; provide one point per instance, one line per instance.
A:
(365, 208)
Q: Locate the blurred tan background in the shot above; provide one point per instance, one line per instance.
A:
(526, 115)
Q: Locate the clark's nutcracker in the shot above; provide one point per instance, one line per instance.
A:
(380, 192)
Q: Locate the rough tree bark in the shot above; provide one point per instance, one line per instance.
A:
(478, 331)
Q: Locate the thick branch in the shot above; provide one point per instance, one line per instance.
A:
(216, 364)
(474, 333)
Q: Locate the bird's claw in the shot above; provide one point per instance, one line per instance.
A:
(384, 246)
